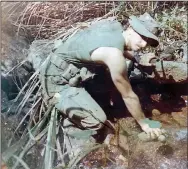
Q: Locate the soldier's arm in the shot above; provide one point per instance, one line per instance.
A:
(116, 63)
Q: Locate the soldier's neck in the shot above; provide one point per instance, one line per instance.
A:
(127, 35)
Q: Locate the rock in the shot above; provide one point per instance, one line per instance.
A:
(165, 150)
(181, 135)
(162, 138)
(110, 157)
(120, 141)
(15, 70)
(165, 71)
(170, 72)
(185, 55)
(144, 137)
(156, 112)
(128, 126)
(14, 50)
(155, 154)
(4, 101)
(180, 118)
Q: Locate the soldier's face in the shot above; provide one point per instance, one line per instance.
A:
(135, 41)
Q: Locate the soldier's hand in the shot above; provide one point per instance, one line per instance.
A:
(152, 133)
(152, 130)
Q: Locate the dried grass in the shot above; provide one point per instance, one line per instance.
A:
(44, 20)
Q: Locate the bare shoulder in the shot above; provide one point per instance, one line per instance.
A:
(114, 59)
(106, 55)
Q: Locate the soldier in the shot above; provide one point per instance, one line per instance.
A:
(105, 44)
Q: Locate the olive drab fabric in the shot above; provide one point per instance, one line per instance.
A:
(146, 26)
(70, 64)
(104, 33)
(57, 76)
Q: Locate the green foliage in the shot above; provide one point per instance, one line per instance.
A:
(173, 22)
(176, 19)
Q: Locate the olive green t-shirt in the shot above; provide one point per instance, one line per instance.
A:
(79, 47)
